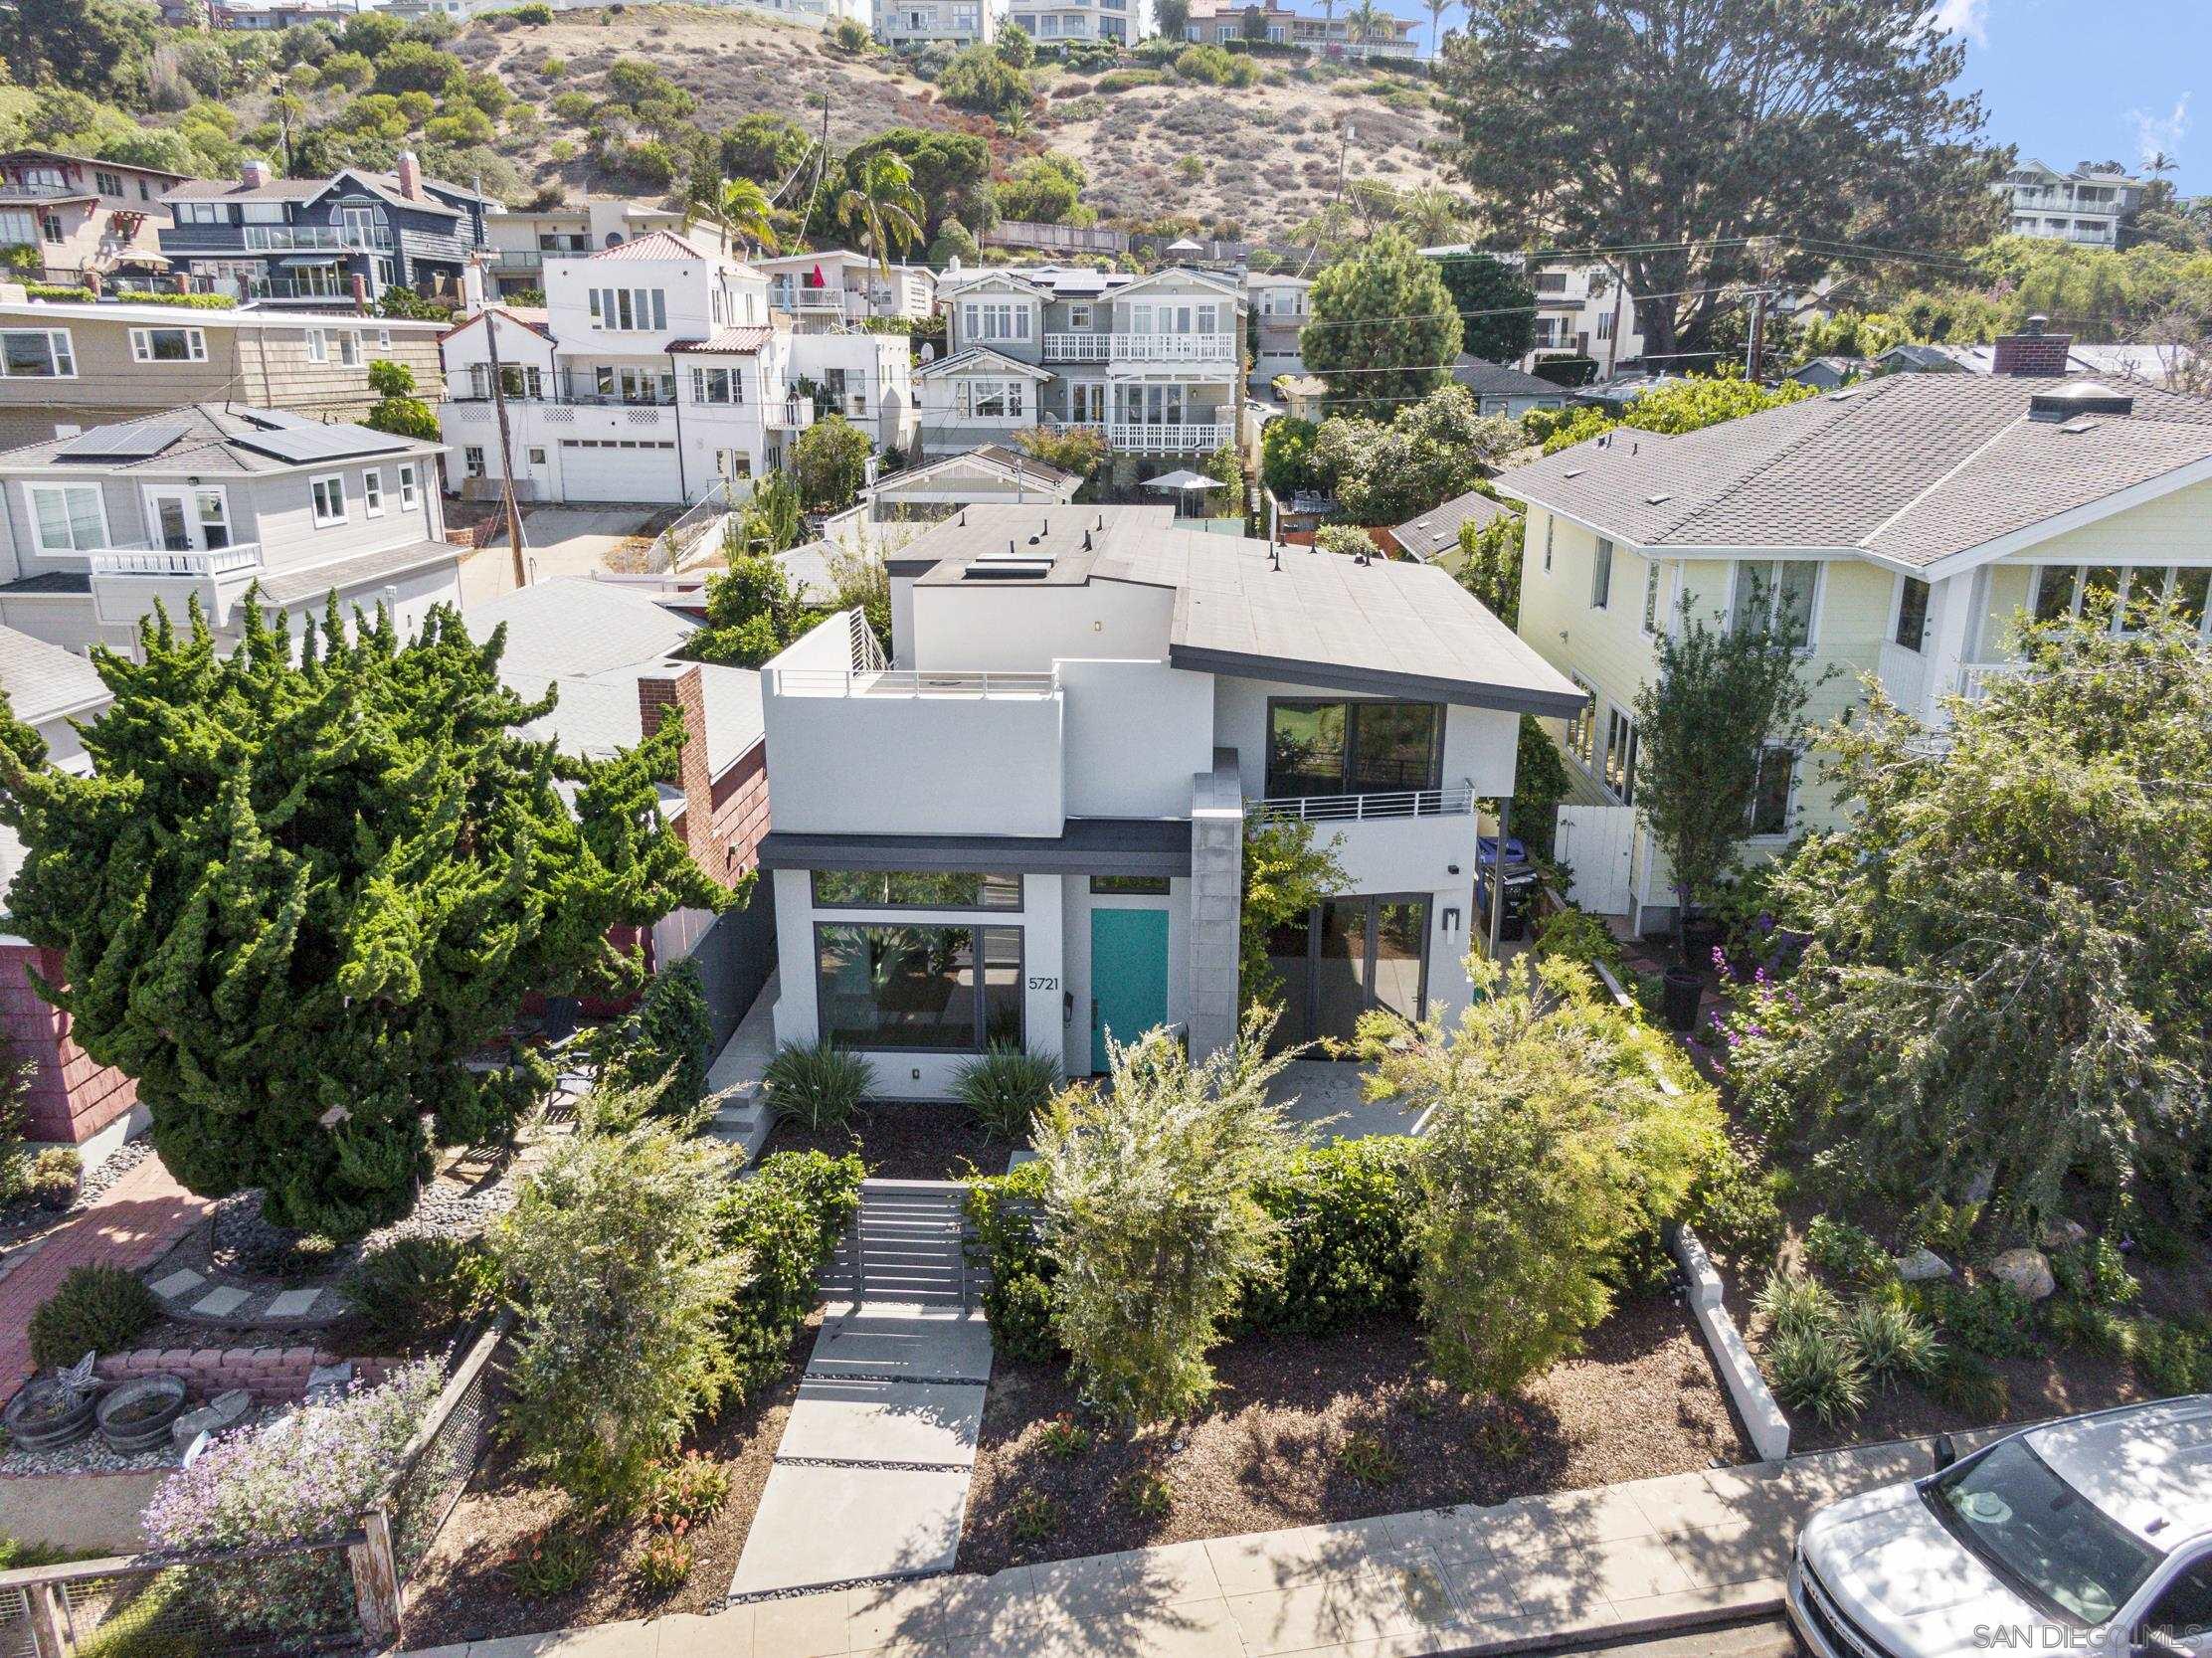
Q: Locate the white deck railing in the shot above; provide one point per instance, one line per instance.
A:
(186, 562)
(911, 684)
(1166, 437)
(1175, 348)
(1455, 800)
(1077, 349)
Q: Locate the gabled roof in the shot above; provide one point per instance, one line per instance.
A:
(1010, 464)
(536, 318)
(1913, 471)
(24, 152)
(654, 244)
(734, 343)
(209, 437)
(1437, 530)
(43, 682)
(383, 185)
(952, 284)
(1488, 379)
(980, 357)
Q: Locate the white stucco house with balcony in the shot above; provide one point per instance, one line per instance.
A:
(839, 288)
(214, 502)
(958, 23)
(1154, 362)
(2085, 205)
(656, 372)
(1021, 818)
(1907, 523)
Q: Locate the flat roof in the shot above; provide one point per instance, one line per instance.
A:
(1088, 845)
(1383, 626)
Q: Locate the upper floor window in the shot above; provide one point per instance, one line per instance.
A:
(372, 492)
(631, 309)
(717, 385)
(107, 183)
(339, 345)
(37, 354)
(201, 213)
(992, 399)
(50, 227)
(1777, 597)
(19, 226)
(995, 321)
(1551, 281)
(260, 213)
(1654, 582)
(45, 178)
(1550, 523)
(1912, 613)
(1351, 748)
(330, 499)
(1078, 316)
(2124, 592)
(407, 486)
(915, 889)
(168, 345)
(1601, 575)
(66, 517)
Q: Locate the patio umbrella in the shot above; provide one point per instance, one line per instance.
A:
(1183, 483)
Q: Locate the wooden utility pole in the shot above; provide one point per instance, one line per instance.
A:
(1612, 340)
(506, 442)
(1755, 349)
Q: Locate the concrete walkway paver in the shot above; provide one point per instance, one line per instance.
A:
(133, 1225)
(1615, 1563)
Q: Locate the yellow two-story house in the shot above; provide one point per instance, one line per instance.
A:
(1907, 524)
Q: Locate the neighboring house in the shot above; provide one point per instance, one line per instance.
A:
(278, 14)
(656, 374)
(1154, 362)
(1213, 22)
(522, 238)
(840, 289)
(1305, 395)
(325, 241)
(1433, 537)
(206, 501)
(1500, 389)
(1581, 310)
(1276, 306)
(924, 22)
(65, 367)
(612, 654)
(81, 217)
(899, 506)
(1906, 523)
(2085, 205)
(1046, 846)
(2167, 365)
(1077, 20)
(72, 1099)
(1827, 373)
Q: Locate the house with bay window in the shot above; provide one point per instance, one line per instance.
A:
(1057, 754)
(1154, 362)
(82, 218)
(222, 503)
(1904, 525)
(657, 371)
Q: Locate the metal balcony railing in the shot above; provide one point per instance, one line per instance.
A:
(911, 684)
(1453, 800)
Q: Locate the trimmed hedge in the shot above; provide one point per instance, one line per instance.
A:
(788, 1215)
(96, 1309)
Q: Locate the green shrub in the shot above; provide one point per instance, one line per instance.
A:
(661, 1042)
(1034, 1516)
(96, 1309)
(817, 1084)
(1846, 1254)
(1341, 1249)
(1990, 1317)
(1128, 80)
(1212, 67)
(1964, 1382)
(52, 1176)
(2095, 1274)
(1148, 1495)
(2080, 1323)
(786, 1219)
(1003, 1211)
(1816, 1367)
(1004, 1089)
(1369, 1459)
(1796, 1306)
(2172, 1359)
(1894, 1343)
(1733, 1207)
(414, 1288)
(1579, 936)
(533, 11)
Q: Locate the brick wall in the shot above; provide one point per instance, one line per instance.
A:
(725, 816)
(2033, 352)
(72, 1097)
(272, 1375)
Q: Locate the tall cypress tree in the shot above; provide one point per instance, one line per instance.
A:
(305, 884)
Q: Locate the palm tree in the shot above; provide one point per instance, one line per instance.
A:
(739, 209)
(1436, 10)
(1431, 216)
(881, 208)
(1368, 22)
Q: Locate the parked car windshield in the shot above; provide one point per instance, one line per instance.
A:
(2041, 1535)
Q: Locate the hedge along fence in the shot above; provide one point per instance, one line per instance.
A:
(787, 1214)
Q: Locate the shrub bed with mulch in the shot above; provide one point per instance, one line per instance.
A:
(902, 1142)
(1339, 1428)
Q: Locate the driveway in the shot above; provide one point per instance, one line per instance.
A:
(556, 541)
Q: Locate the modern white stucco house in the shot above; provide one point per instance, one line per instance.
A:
(901, 23)
(1027, 827)
(838, 287)
(656, 372)
(1907, 522)
(1154, 362)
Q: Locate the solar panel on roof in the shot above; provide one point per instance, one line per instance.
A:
(136, 440)
(321, 442)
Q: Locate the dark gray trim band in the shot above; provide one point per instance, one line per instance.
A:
(1088, 847)
(909, 566)
(1512, 699)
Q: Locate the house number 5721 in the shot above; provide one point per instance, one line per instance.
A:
(1040, 983)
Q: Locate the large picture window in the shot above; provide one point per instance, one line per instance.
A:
(1351, 748)
(36, 354)
(915, 889)
(955, 990)
(68, 517)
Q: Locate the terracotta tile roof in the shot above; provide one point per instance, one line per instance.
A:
(657, 244)
(741, 342)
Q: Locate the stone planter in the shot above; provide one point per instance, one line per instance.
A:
(45, 1415)
(136, 1416)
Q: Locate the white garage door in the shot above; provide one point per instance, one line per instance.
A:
(620, 469)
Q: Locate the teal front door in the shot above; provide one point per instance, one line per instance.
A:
(1129, 977)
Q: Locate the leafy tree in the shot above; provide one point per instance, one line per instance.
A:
(1627, 122)
(413, 66)
(830, 463)
(764, 148)
(97, 47)
(1045, 189)
(1286, 457)
(1496, 306)
(740, 210)
(952, 172)
(397, 408)
(612, 1262)
(1539, 782)
(1171, 17)
(953, 242)
(880, 207)
(1150, 1212)
(1071, 449)
(863, 583)
(751, 614)
(1433, 450)
(657, 1052)
(978, 80)
(1284, 875)
(1432, 215)
(1490, 564)
(305, 885)
(1015, 46)
(1719, 698)
(1850, 334)
(2010, 976)
(1551, 1147)
(1381, 328)
(1691, 406)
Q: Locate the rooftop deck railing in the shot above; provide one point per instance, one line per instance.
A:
(1455, 799)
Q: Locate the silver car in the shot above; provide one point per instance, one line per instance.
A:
(2090, 1535)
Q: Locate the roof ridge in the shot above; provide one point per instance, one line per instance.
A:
(2003, 429)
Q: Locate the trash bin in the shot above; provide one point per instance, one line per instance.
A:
(1520, 881)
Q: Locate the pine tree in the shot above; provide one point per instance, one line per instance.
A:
(305, 884)
(1382, 330)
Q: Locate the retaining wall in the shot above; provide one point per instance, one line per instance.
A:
(272, 1375)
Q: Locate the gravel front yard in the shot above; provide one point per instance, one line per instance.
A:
(1339, 1428)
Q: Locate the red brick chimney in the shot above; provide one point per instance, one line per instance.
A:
(2032, 351)
(360, 285)
(253, 174)
(411, 176)
(681, 689)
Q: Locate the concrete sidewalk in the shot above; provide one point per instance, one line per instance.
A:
(1616, 1561)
